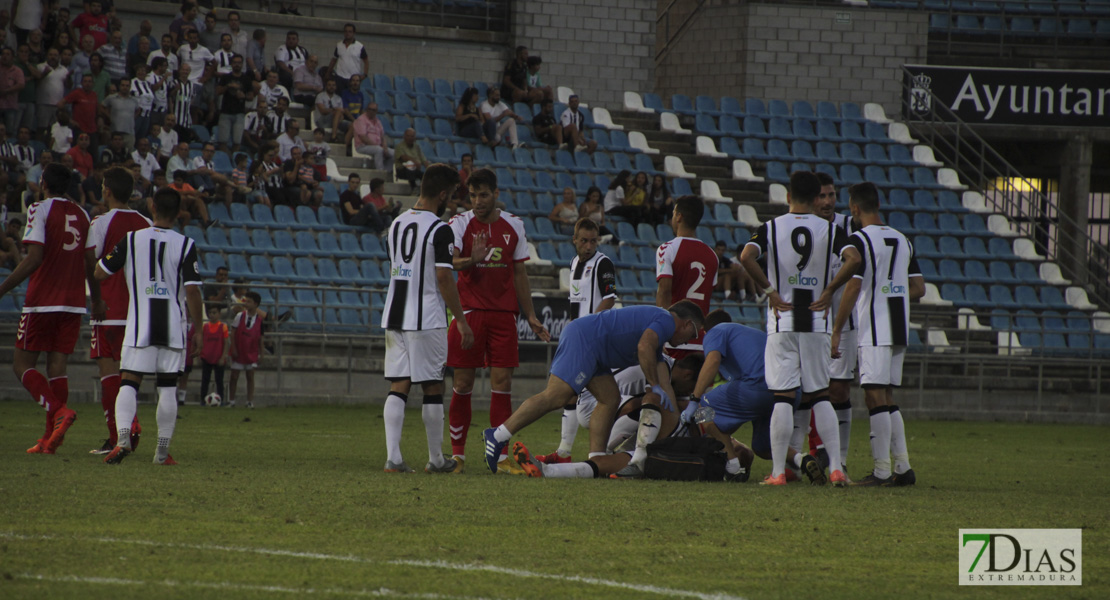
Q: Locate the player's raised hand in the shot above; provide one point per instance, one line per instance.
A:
(538, 329)
(480, 247)
(835, 342)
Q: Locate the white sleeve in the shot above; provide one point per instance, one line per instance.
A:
(458, 225)
(98, 230)
(565, 117)
(520, 253)
(37, 216)
(664, 260)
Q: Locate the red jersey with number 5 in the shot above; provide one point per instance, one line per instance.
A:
(105, 232)
(692, 266)
(58, 285)
(490, 284)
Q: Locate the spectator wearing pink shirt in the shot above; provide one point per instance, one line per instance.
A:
(369, 138)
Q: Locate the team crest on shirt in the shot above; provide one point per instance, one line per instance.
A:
(507, 237)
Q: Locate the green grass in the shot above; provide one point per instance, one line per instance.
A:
(309, 480)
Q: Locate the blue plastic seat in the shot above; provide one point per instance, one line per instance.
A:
(827, 110)
(924, 200)
(950, 247)
(827, 130)
(237, 264)
(1000, 248)
(975, 248)
(850, 132)
(753, 127)
(1000, 271)
(924, 246)
(779, 127)
(754, 106)
(1028, 298)
(731, 106)
(849, 175)
(950, 271)
(778, 150)
(901, 222)
(954, 293)
(730, 125)
(976, 296)
(776, 172)
(924, 223)
(1051, 297)
(1025, 272)
(948, 200)
(348, 269)
(703, 123)
(803, 129)
(827, 152)
(652, 101)
(259, 243)
(851, 153)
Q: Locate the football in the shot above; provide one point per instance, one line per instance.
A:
(212, 399)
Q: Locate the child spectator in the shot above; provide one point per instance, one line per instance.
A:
(318, 149)
(61, 134)
(246, 345)
(214, 351)
(240, 178)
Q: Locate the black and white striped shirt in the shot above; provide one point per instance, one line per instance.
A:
(419, 243)
(276, 123)
(143, 93)
(882, 309)
(183, 95)
(591, 281)
(292, 57)
(223, 61)
(844, 222)
(24, 154)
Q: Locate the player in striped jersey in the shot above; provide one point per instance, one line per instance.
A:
(160, 268)
(799, 247)
(421, 286)
(105, 232)
(879, 296)
(593, 288)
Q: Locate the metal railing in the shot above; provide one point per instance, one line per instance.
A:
(1034, 213)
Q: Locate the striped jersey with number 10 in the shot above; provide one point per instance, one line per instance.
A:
(844, 222)
(800, 249)
(882, 309)
(419, 242)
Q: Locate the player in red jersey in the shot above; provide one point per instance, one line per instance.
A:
(51, 319)
(490, 251)
(105, 232)
(686, 267)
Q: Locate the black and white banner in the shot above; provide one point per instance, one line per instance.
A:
(1010, 96)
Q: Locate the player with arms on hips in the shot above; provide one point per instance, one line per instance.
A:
(160, 268)
(686, 267)
(51, 320)
(879, 296)
(593, 288)
(105, 232)
(589, 349)
(799, 247)
(421, 290)
(490, 252)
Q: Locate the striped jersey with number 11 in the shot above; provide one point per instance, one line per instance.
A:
(882, 309)
(419, 242)
(800, 249)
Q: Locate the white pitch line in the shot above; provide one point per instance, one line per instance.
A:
(651, 589)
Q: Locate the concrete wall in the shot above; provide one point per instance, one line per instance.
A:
(597, 48)
(793, 52)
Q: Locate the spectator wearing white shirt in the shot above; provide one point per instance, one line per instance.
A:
(205, 177)
(574, 126)
(330, 113)
(289, 57)
(239, 37)
(168, 52)
(289, 140)
(349, 59)
(51, 88)
(61, 134)
(167, 138)
(307, 82)
(148, 163)
(196, 56)
(499, 118)
(269, 91)
(222, 57)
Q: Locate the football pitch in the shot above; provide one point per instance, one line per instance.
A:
(292, 503)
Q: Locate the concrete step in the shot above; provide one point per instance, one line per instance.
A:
(661, 137)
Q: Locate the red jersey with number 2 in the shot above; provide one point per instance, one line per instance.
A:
(105, 232)
(490, 284)
(58, 285)
(692, 266)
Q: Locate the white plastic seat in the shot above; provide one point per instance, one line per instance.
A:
(1100, 321)
(924, 156)
(742, 170)
(950, 179)
(975, 202)
(711, 191)
(669, 122)
(1000, 225)
(564, 279)
(1077, 297)
(777, 193)
(706, 147)
(564, 93)
(603, 118)
(1050, 272)
(639, 142)
(333, 170)
(534, 256)
(900, 133)
(1024, 248)
(932, 296)
(634, 103)
(673, 167)
(874, 112)
(967, 321)
(745, 215)
(356, 154)
(938, 342)
(1010, 345)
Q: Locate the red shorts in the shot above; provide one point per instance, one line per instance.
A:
(495, 341)
(107, 341)
(48, 332)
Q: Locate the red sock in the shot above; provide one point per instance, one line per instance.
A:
(814, 439)
(40, 390)
(109, 388)
(459, 420)
(500, 407)
(60, 387)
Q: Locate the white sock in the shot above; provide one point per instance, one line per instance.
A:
(594, 455)
(898, 449)
(801, 428)
(167, 419)
(880, 441)
(501, 434)
(732, 467)
(433, 427)
(797, 458)
(568, 431)
(824, 417)
(127, 403)
(782, 426)
(844, 419)
(578, 470)
(394, 414)
(181, 396)
(650, 419)
(623, 428)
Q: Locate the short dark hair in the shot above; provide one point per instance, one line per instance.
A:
(692, 362)
(491, 89)
(686, 309)
(120, 182)
(233, 13)
(482, 177)
(222, 268)
(804, 187)
(376, 182)
(56, 178)
(825, 179)
(292, 32)
(534, 61)
(864, 195)
(716, 317)
(437, 179)
(180, 174)
(167, 203)
(691, 208)
(465, 156)
(545, 102)
(254, 296)
(157, 62)
(587, 224)
(351, 25)
(258, 34)
(353, 175)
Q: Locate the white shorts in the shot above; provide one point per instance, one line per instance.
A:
(796, 359)
(881, 365)
(418, 356)
(152, 360)
(845, 366)
(587, 403)
(241, 367)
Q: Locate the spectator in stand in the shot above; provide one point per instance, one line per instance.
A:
(636, 195)
(348, 59)
(731, 277)
(317, 152)
(574, 127)
(18, 158)
(114, 55)
(233, 88)
(82, 160)
(80, 63)
(101, 80)
(289, 57)
(142, 156)
(146, 30)
(270, 91)
(115, 153)
(409, 160)
(307, 82)
(468, 119)
(222, 56)
(254, 128)
(184, 23)
(34, 176)
(272, 175)
(167, 52)
(143, 94)
(29, 93)
(565, 214)
(310, 179)
(330, 112)
(545, 127)
(388, 208)
(91, 200)
(73, 192)
(182, 96)
(210, 36)
(192, 204)
(11, 84)
(498, 119)
(353, 210)
(290, 139)
(197, 57)
(61, 134)
(239, 37)
(514, 81)
(659, 201)
(51, 89)
(353, 98)
(534, 82)
(463, 194)
(256, 54)
(291, 178)
(616, 200)
(160, 81)
(92, 22)
(36, 47)
(63, 41)
(139, 57)
(205, 177)
(369, 138)
(180, 160)
(28, 15)
(167, 138)
(85, 106)
(593, 210)
(123, 111)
